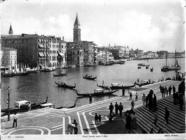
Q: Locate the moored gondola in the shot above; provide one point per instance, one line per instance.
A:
(89, 77)
(97, 92)
(59, 74)
(64, 85)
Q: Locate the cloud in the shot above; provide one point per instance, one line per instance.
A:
(139, 25)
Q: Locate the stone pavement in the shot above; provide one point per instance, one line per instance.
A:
(54, 121)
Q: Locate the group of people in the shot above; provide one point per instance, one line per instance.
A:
(178, 97)
(118, 110)
(97, 118)
(73, 128)
(165, 91)
(130, 119)
(151, 100)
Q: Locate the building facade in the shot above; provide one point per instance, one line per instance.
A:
(80, 53)
(34, 50)
(9, 58)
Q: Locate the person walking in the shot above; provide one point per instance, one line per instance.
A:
(174, 89)
(170, 89)
(75, 127)
(166, 115)
(116, 108)
(136, 96)
(132, 104)
(166, 91)
(96, 117)
(154, 102)
(99, 118)
(14, 121)
(143, 99)
(90, 99)
(111, 107)
(130, 96)
(120, 109)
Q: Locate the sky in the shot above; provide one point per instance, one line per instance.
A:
(143, 24)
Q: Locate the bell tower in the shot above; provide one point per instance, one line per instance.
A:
(76, 30)
(10, 32)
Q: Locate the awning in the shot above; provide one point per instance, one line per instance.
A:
(40, 45)
(61, 54)
(41, 54)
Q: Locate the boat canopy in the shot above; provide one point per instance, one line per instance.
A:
(98, 90)
(22, 102)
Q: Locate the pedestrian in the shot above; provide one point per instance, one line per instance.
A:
(166, 91)
(116, 108)
(111, 107)
(147, 100)
(174, 89)
(181, 101)
(132, 104)
(96, 117)
(14, 121)
(75, 130)
(130, 95)
(120, 109)
(136, 96)
(154, 103)
(128, 121)
(166, 115)
(170, 89)
(99, 118)
(90, 99)
(75, 122)
(143, 99)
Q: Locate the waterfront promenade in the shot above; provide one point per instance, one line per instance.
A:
(54, 121)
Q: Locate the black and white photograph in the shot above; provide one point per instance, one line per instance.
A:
(92, 69)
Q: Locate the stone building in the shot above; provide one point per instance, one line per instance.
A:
(80, 53)
(35, 50)
(8, 58)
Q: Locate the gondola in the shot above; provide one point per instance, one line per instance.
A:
(121, 86)
(97, 92)
(21, 73)
(64, 85)
(103, 86)
(7, 74)
(143, 83)
(59, 74)
(89, 77)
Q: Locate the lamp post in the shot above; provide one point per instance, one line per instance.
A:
(8, 102)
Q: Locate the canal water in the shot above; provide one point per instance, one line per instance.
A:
(36, 87)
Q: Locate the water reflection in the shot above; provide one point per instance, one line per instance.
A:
(36, 87)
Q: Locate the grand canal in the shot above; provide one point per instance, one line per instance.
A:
(36, 87)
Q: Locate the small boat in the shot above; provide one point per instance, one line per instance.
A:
(7, 74)
(143, 82)
(103, 86)
(97, 92)
(116, 86)
(89, 77)
(59, 74)
(142, 64)
(64, 85)
(21, 73)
